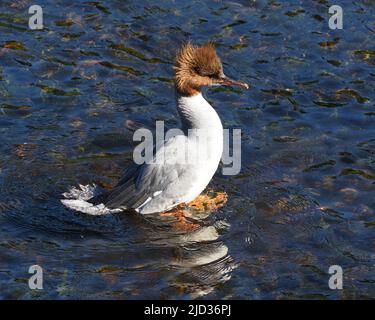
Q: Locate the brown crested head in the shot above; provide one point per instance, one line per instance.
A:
(197, 67)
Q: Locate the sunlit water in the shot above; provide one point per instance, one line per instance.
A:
(303, 201)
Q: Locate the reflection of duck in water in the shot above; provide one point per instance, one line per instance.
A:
(169, 181)
(197, 262)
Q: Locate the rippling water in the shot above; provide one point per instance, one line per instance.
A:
(304, 199)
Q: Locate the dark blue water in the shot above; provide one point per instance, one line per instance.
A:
(304, 199)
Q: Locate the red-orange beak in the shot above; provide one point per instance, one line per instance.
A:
(229, 82)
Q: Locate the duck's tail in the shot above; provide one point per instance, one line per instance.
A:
(78, 199)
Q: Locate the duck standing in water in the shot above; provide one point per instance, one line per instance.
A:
(169, 181)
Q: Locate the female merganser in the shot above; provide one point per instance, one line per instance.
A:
(169, 180)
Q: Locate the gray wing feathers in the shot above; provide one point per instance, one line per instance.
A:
(142, 181)
(126, 194)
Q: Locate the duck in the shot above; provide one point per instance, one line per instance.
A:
(168, 180)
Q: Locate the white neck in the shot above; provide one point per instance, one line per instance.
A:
(204, 131)
(197, 113)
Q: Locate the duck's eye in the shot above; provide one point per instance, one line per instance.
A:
(206, 73)
(197, 70)
(213, 75)
(210, 74)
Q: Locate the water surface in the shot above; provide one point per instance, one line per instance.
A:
(303, 201)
